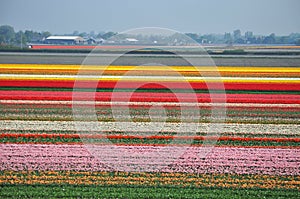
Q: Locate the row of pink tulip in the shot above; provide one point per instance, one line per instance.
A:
(274, 161)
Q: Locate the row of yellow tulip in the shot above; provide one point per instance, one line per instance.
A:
(150, 179)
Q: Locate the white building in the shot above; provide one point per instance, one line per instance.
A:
(65, 40)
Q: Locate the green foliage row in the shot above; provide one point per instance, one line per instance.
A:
(150, 90)
(145, 141)
(70, 191)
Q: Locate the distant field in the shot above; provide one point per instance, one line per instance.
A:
(102, 59)
(112, 47)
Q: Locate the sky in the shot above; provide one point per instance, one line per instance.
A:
(198, 16)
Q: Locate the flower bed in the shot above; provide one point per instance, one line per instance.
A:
(256, 153)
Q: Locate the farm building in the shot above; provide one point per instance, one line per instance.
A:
(65, 40)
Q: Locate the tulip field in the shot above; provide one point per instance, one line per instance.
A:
(43, 153)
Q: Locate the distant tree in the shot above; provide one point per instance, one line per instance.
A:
(32, 36)
(99, 35)
(7, 34)
(83, 34)
(282, 40)
(297, 42)
(294, 37)
(240, 41)
(194, 36)
(75, 33)
(107, 35)
(248, 35)
(253, 40)
(228, 38)
(269, 39)
(20, 39)
(210, 38)
(237, 35)
(272, 35)
(46, 34)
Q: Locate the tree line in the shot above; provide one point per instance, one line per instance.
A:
(236, 37)
(8, 37)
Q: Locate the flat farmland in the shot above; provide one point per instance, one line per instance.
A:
(133, 59)
(150, 131)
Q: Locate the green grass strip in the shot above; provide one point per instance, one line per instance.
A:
(71, 191)
(233, 134)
